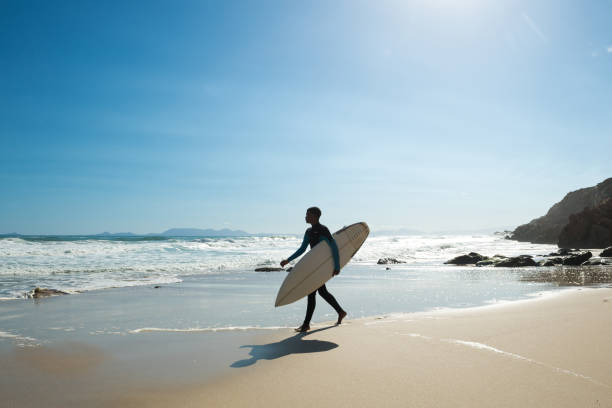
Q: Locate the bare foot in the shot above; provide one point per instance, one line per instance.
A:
(341, 316)
(302, 329)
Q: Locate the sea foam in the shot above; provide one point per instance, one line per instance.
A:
(80, 264)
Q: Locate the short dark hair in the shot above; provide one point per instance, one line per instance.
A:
(316, 211)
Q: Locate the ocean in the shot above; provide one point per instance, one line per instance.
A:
(77, 264)
(135, 285)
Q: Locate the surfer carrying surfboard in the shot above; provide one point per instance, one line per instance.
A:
(313, 235)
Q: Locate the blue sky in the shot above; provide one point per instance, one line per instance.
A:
(431, 115)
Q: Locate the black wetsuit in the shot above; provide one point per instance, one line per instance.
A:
(313, 236)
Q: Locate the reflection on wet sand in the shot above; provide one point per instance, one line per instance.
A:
(570, 275)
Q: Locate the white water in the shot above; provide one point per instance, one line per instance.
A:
(88, 264)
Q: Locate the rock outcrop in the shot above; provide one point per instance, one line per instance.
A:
(469, 259)
(591, 228)
(387, 261)
(38, 293)
(551, 262)
(517, 261)
(606, 252)
(491, 261)
(570, 258)
(268, 269)
(546, 229)
(577, 259)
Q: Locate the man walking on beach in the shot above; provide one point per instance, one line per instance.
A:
(315, 234)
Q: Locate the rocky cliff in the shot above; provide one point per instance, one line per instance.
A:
(591, 228)
(546, 229)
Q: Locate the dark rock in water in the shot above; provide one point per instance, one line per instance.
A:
(268, 269)
(156, 287)
(471, 258)
(590, 228)
(491, 261)
(517, 261)
(547, 229)
(606, 252)
(552, 261)
(577, 259)
(38, 293)
(387, 268)
(386, 261)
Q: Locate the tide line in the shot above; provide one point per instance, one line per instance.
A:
(203, 329)
(486, 347)
(22, 341)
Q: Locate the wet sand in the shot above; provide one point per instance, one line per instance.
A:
(95, 371)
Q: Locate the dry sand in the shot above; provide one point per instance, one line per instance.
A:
(551, 352)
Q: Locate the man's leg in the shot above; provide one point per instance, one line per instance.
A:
(332, 301)
(312, 301)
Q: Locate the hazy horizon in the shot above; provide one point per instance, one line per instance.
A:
(429, 115)
(397, 231)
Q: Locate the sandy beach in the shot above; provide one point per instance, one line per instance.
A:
(552, 351)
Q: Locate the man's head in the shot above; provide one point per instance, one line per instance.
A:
(312, 215)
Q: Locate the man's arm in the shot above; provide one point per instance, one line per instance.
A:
(335, 253)
(299, 252)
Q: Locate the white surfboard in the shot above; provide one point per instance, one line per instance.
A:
(317, 266)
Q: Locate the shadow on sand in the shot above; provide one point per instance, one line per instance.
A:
(291, 345)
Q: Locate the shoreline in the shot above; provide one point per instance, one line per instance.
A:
(191, 282)
(190, 287)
